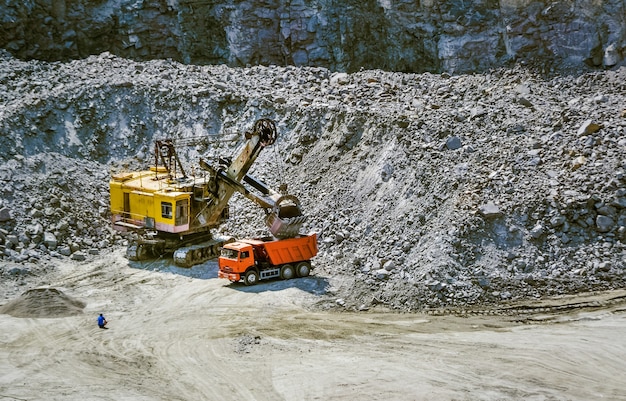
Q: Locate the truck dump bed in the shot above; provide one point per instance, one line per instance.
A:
(289, 250)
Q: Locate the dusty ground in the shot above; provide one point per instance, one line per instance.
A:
(180, 334)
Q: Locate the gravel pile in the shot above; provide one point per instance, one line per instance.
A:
(426, 190)
(45, 303)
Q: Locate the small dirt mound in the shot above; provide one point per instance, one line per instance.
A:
(43, 302)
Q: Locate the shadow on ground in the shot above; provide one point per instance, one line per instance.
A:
(312, 284)
(204, 270)
(209, 269)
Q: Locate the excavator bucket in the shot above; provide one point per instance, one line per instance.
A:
(286, 218)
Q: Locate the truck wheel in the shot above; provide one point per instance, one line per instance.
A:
(251, 278)
(287, 272)
(303, 269)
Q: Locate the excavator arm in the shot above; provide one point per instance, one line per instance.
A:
(284, 215)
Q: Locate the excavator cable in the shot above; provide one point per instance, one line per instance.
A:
(280, 168)
(205, 140)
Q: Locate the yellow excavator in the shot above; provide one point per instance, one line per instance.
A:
(170, 211)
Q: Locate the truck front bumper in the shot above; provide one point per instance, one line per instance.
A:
(229, 276)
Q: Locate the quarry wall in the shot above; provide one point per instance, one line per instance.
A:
(456, 36)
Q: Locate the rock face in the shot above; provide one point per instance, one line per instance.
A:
(410, 36)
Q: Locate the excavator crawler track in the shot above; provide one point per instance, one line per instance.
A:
(188, 256)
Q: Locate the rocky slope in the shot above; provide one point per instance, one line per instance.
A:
(427, 190)
(411, 36)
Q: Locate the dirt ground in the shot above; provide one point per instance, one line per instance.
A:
(177, 334)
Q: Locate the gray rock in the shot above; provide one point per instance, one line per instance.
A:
(537, 231)
(608, 211)
(525, 102)
(19, 271)
(389, 265)
(5, 214)
(490, 210)
(578, 162)
(35, 229)
(78, 256)
(12, 240)
(612, 55)
(63, 226)
(386, 172)
(50, 240)
(523, 89)
(453, 143)
(382, 274)
(65, 250)
(604, 224)
(589, 127)
(339, 78)
(484, 282)
(478, 112)
(621, 233)
(557, 221)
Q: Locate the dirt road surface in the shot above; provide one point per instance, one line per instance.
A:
(178, 334)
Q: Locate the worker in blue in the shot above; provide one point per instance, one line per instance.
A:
(102, 322)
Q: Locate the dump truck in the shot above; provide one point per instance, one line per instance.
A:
(263, 258)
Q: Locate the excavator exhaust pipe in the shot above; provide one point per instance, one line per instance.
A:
(286, 218)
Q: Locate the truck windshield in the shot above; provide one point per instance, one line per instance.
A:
(229, 253)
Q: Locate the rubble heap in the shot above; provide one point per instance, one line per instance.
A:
(426, 190)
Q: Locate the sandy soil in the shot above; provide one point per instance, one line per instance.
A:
(178, 334)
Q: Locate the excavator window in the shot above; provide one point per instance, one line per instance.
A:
(166, 210)
(181, 212)
(126, 205)
(198, 193)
